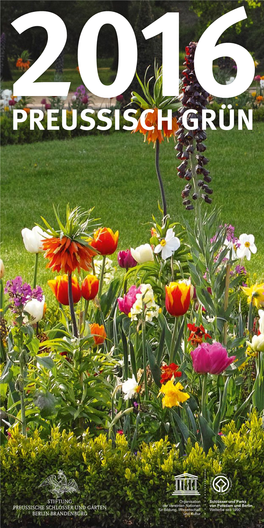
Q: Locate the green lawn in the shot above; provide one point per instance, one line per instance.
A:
(116, 174)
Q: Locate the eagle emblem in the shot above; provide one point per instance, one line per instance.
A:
(59, 484)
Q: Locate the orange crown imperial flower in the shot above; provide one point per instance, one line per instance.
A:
(151, 120)
(98, 333)
(178, 297)
(152, 103)
(105, 241)
(90, 286)
(59, 287)
(66, 255)
(67, 248)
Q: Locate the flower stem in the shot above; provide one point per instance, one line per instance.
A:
(35, 271)
(22, 395)
(164, 204)
(204, 395)
(144, 358)
(227, 282)
(173, 339)
(73, 318)
(197, 205)
(1, 298)
(172, 269)
(125, 283)
(102, 278)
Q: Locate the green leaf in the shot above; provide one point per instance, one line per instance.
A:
(155, 369)
(46, 362)
(208, 435)
(183, 428)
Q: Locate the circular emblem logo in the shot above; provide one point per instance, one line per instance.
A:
(221, 484)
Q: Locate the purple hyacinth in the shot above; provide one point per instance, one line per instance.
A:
(20, 293)
(240, 270)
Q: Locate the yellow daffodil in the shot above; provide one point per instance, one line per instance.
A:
(255, 294)
(172, 394)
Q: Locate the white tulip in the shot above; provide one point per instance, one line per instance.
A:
(143, 253)
(34, 308)
(2, 269)
(33, 238)
(261, 321)
(6, 94)
(258, 343)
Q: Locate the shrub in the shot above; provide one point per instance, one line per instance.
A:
(133, 486)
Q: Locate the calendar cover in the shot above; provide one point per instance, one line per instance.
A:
(132, 264)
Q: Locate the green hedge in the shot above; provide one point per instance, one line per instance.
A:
(25, 135)
(133, 486)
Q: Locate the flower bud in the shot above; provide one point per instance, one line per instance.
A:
(2, 269)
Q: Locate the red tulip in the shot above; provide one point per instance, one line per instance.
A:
(178, 297)
(59, 287)
(105, 241)
(90, 286)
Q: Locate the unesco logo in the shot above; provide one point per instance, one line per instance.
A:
(221, 484)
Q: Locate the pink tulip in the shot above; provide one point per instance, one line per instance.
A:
(212, 359)
(257, 78)
(125, 303)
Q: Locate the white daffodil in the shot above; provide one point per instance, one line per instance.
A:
(168, 245)
(34, 308)
(247, 246)
(33, 238)
(232, 254)
(130, 387)
(143, 253)
(2, 269)
(261, 321)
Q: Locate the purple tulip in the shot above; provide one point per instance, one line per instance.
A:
(125, 259)
(47, 106)
(85, 99)
(212, 359)
(125, 303)
(120, 98)
(12, 102)
(43, 101)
